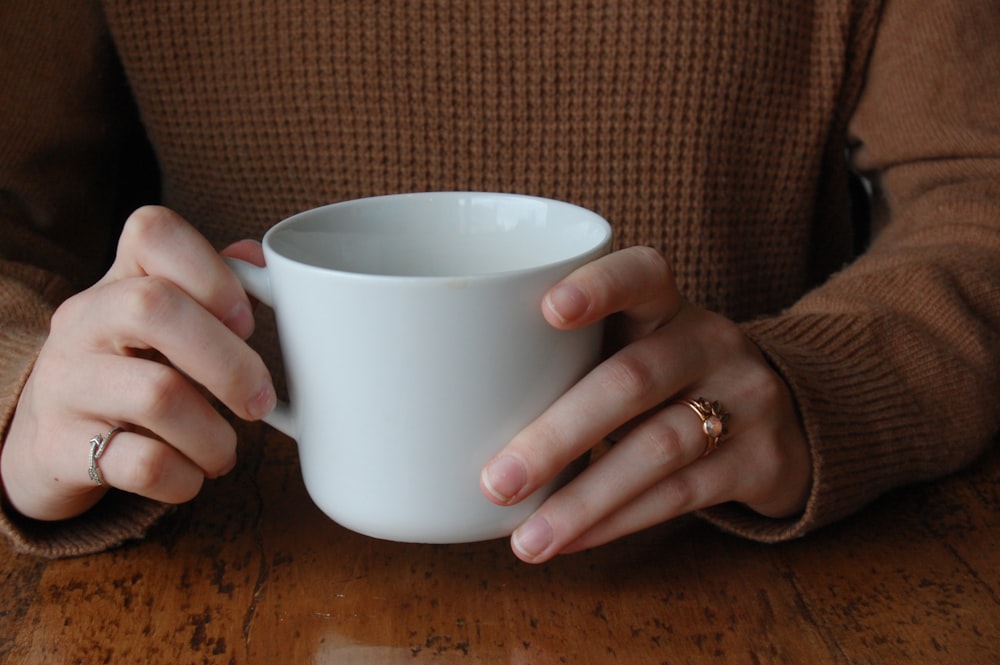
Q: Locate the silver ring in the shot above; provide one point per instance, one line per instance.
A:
(97, 446)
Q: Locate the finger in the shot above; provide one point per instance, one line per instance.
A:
(139, 313)
(639, 377)
(695, 487)
(250, 251)
(151, 395)
(146, 466)
(156, 241)
(660, 446)
(636, 281)
(763, 464)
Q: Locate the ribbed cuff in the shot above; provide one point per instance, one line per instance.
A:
(118, 518)
(859, 420)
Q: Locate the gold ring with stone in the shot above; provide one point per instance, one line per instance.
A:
(713, 421)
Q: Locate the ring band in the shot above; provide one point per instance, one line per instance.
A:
(713, 421)
(97, 446)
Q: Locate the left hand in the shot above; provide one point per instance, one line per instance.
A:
(667, 350)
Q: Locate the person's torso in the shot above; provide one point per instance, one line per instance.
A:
(711, 130)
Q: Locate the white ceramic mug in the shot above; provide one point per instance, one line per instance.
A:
(415, 349)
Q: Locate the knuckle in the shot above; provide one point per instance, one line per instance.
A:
(160, 392)
(238, 373)
(764, 388)
(68, 313)
(147, 299)
(728, 335)
(677, 494)
(148, 471)
(155, 472)
(647, 263)
(145, 225)
(663, 447)
(629, 375)
(652, 265)
(540, 435)
(769, 389)
(652, 257)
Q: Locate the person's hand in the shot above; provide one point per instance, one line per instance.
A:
(668, 350)
(143, 349)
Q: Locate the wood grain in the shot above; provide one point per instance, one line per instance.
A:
(251, 572)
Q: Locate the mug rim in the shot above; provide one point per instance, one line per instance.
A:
(600, 246)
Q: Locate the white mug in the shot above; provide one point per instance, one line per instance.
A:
(415, 349)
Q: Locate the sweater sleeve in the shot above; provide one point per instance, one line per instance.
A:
(58, 129)
(895, 361)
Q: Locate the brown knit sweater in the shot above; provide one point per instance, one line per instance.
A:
(721, 132)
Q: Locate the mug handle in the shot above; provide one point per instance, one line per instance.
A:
(257, 282)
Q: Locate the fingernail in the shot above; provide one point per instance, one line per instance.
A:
(240, 320)
(262, 403)
(567, 302)
(504, 477)
(532, 538)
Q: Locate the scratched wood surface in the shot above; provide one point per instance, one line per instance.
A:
(251, 572)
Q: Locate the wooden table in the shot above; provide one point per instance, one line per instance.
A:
(251, 572)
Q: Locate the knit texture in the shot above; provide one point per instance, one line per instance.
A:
(715, 131)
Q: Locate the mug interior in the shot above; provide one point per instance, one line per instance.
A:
(451, 234)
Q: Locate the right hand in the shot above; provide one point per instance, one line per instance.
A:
(140, 349)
